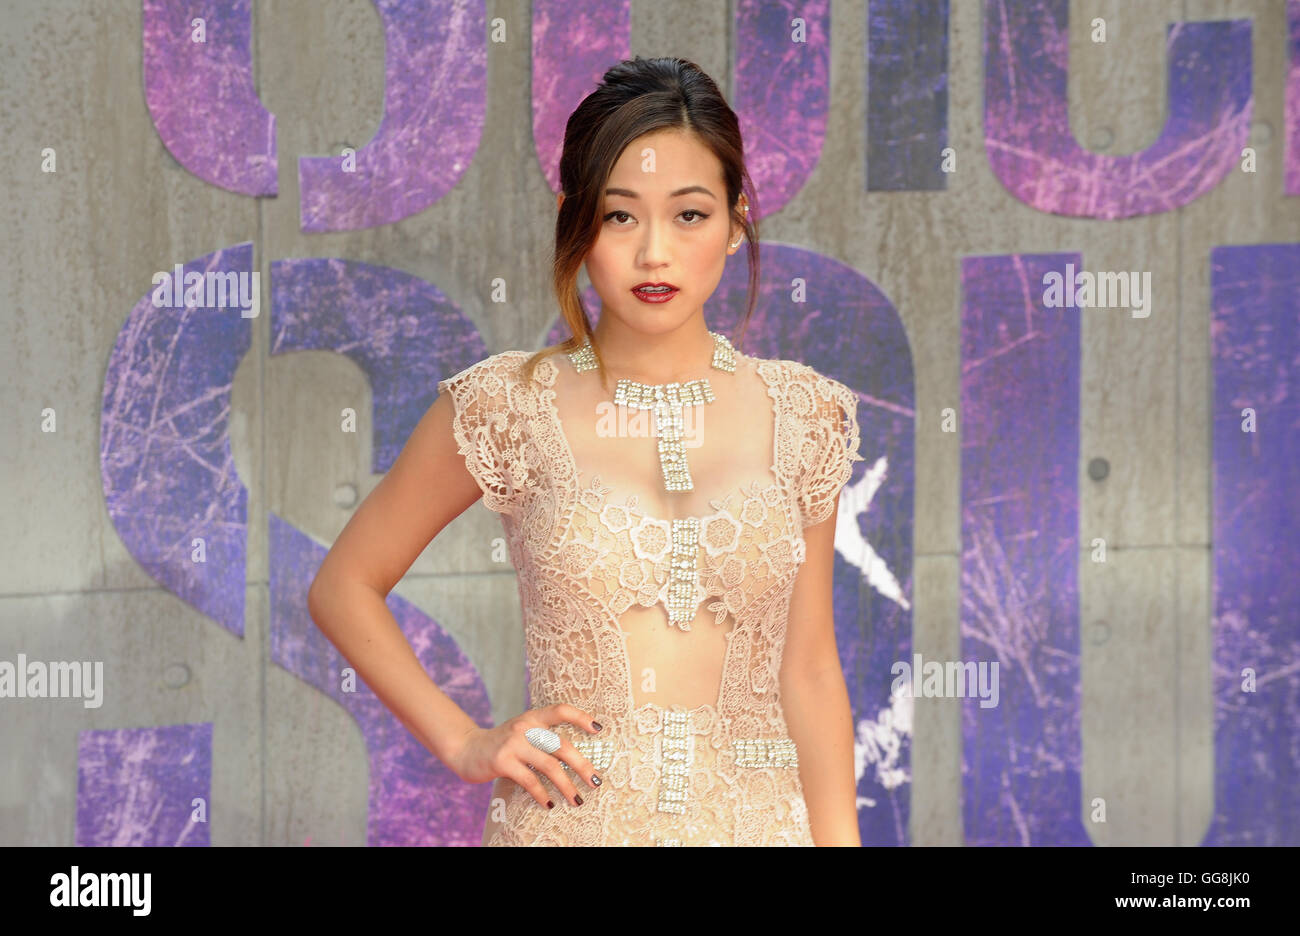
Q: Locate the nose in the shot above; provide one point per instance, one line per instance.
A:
(654, 249)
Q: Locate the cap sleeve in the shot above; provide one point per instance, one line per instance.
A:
(832, 448)
(489, 428)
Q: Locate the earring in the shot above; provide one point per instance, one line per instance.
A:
(742, 236)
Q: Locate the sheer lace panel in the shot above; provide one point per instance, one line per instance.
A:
(832, 444)
(590, 524)
(620, 540)
(489, 425)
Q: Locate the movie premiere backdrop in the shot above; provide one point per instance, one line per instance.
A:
(1054, 246)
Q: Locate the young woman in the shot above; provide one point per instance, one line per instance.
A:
(670, 508)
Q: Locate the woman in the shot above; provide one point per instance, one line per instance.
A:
(670, 508)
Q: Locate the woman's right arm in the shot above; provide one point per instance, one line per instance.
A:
(428, 486)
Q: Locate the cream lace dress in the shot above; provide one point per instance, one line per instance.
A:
(694, 748)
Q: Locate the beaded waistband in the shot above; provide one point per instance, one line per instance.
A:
(756, 753)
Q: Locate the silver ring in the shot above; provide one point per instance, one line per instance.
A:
(544, 739)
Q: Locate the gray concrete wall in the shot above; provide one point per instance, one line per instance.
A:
(80, 246)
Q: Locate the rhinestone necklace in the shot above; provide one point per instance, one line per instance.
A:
(668, 402)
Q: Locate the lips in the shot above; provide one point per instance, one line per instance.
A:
(646, 293)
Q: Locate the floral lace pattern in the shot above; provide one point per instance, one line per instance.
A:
(593, 571)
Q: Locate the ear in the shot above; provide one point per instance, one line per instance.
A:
(737, 227)
(559, 200)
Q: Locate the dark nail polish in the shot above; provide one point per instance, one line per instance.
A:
(577, 799)
(595, 779)
(596, 725)
(550, 805)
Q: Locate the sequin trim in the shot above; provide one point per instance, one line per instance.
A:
(724, 354)
(766, 752)
(642, 396)
(584, 359)
(600, 751)
(682, 572)
(668, 403)
(676, 754)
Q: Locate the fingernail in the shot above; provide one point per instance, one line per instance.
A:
(550, 805)
(577, 799)
(595, 779)
(595, 725)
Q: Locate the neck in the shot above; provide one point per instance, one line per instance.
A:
(677, 356)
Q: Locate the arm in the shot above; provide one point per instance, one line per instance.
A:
(815, 698)
(428, 486)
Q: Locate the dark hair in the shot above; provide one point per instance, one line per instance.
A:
(637, 97)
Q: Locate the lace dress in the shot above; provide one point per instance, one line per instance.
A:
(694, 748)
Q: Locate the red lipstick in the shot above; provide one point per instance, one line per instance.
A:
(654, 292)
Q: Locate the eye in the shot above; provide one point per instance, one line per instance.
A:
(700, 216)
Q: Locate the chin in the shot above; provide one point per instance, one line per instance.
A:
(655, 320)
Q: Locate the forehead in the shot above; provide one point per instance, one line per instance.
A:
(677, 158)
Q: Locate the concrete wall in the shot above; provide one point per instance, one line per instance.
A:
(288, 764)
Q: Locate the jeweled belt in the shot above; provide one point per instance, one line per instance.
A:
(777, 752)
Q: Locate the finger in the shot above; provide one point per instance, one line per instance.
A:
(574, 760)
(562, 712)
(529, 781)
(549, 767)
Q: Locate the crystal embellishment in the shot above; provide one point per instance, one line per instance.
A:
(600, 751)
(682, 572)
(766, 752)
(724, 355)
(636, 395)
(676, 755)
(676, 751)
(668, 403)
(584, 359)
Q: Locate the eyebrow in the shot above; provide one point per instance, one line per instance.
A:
(681, 191)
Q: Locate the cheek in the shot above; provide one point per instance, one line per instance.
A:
(602, 260)
(708, 261)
